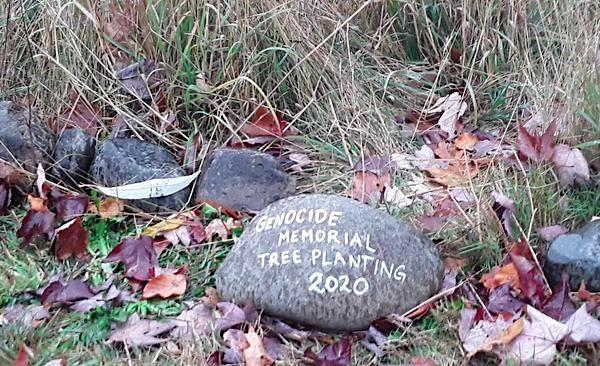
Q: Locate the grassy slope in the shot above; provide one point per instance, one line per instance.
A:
(340, 71)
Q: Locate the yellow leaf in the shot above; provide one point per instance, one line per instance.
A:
(167, 225)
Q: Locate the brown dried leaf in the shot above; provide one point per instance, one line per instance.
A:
(501, 275)
(571, 166)
(165, 285)
(255, 354)
(140, 332)
(368, 186)
(108, 208)
(466, 141)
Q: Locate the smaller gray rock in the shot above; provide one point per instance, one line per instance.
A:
(243, 180)
(577, 253)
(73, 154)
(24, 137)
(121, 161)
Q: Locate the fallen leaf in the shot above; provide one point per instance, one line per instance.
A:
(373, 340)
(502, 301)
(37, 203)
(10, 175)
(550, 233)
(467, 319)
(571, 166)
(537, 148)
(139, 77)
(181, 234)
(424, 158)
(194, 322)
(431, 223)
(80, 115)
(462, 195)
(466, 141)
(454, 175)
(21, 359)
(368, 186)
(278, 327)
(122, 23)
(396, 196)
(337, 354)
(85, 305)
(266, 123)
(531, 279)
(584, 295)
(40, 180)
(582, 327)
(486, 334)
(503, 207)
(57, 362)
(559, 306)
(377, 165)
(237, 343)
(215, 359)
(71, 240)
(255, 354)
(273, 347)
(161, 227)
(196, 230)
(165, 285)
(151, 188)
(5, 196)
(402, 161)
(301, 161)
(29, 316)
(108, 208)
(137, 255)
(140, 332)
(35, 224)
(69, 206)
(58, 292)
(501, 275)
(452, 108)
(421, 361)
(220, 228)
(537, 342)
(229, 315)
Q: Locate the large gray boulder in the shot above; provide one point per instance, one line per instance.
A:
(121, 161)
(24, 138)
(330, 262)
(243, 180)
(578, 254)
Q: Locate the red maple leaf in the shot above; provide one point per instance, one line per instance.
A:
(559, 306)
(71, 240)
(68, 206)
(34, 224)
(337, 354)
(535, 147)
(138, 256)
(531, 278)
(264, 123)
